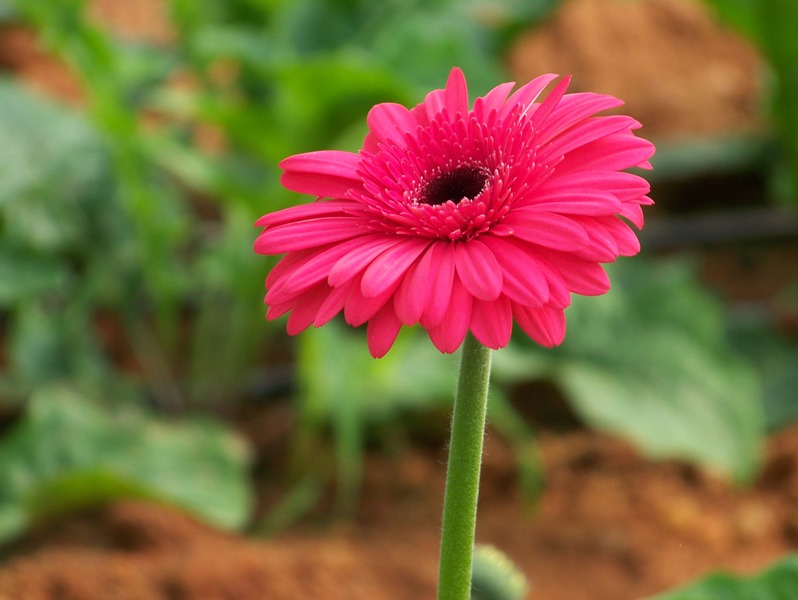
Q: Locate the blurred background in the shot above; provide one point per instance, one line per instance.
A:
(148, 411)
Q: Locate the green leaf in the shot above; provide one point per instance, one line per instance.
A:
(671, 406)
(322, 26)
(38, 345)
(55, 174)
(649, 361)
(24, 276)
(319, 98)
(67, 453)
(779, 582)
(775, 356)
(423, 45)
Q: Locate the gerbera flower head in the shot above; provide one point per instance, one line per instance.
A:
(460, 218)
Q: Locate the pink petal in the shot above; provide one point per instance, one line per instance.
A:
(276, 297)
(492, 322)
(328, 173)
(304, 211)
(456, 96)
(285, 266)
(434, 103)
(450, 332)
(415, 289)
(501, 230)
(302, 235)
(419, 113)
(386, 270)
(523, 280)
(585, 132)
(584, 277)
(358, 308)
(382, 331)
(628, 244)
(478, 269)
(276, 311)
(441, 280)
(550, 103)
(625, 186)
(493, 100)
(359, 257)
(390, 122)
(305, 309)
(634, 213)
(559, 292)
(544, 325)
(547, 229)
(528, 93)
(334, 303)
(573, 202)
(643, 201)
(317, 268)
(573, 109)
(602, 246)
(611, 153)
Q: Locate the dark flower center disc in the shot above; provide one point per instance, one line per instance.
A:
(455, 185)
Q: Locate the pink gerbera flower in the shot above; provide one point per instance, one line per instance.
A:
(460, 218)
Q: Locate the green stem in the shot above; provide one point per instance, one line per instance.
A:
(462, 474)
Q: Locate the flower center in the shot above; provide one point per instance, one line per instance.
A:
(455, 185)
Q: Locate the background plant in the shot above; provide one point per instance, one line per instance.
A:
(66, 454)
(774, 583)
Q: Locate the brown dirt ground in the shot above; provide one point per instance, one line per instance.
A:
(610, 525)
(626, 526)
(680, 72)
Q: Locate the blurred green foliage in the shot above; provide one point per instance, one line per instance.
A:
(342, 388)
(774, 352)
(650, 361)
(67, 454)
(63, 239)
(770, 24)
(778, 582)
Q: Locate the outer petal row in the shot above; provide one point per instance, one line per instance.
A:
(456, 309)
(327, 173)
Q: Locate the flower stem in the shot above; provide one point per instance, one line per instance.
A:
(462, 474)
